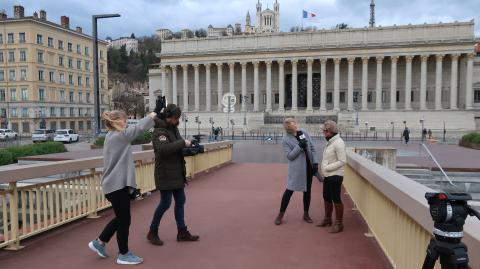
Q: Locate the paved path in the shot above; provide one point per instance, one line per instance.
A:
(233, 210)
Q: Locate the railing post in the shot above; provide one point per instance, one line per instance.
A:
(92, 186)
(15, 245)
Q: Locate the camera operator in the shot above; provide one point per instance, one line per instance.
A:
(302, 163)
(170, 172)
(332, 168)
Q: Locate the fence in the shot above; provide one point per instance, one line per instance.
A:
(30, 209)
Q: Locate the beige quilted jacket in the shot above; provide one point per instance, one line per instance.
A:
(334, 157)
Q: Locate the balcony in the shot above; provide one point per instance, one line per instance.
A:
(232, 208)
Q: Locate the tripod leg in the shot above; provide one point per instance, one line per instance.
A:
(431, 257)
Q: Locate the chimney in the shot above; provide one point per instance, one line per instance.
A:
(65, 22)
(78, 29)
(35, 15)
(18, 12)
(43, 15)
(3, 15)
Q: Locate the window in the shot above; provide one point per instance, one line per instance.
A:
(13, 112)
(2, 94)
(80, 97)
(60, 44)
(21, 37)
(41, 94)
(70, 79)
(40, 75)
(69, 45)
(72, 125)
(62, 112)
(13, 94)
(50, 42)
(23, 56)
(264, 97)
(72, 112)
(87, 51)
(342, 97)
(24, 94)
(412, 96)
(24, 114)
(89, 113)
(51, 76)
(11, 56)
(369, 97)
(329, 97)
(80, 112)
(70, 63)
(70, 97)
(10, 38)
(87, 96)
(39, 39)
(79, 64)
(397, 96)
(80, 125)
(102, 99)
(277, 98)
(384, 96)
(23, 74)
(62, 78)
(3, 113)
(356, 94)
(78, 49)
(87, 65)
(87, 81)
(52, 112)
(1, 39)
(60, 60)
(102, 84)
(101, 69)
(476, 96)
(2, 75)
(1, 56)
(11, 75)
(79, 80)
(101, 54)
(40, 57)
(62, 95)
(251, 98)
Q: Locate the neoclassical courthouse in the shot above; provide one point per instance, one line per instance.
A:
(382, 77)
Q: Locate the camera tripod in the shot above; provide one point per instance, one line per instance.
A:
(453, 254)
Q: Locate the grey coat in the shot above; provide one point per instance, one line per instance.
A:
(297, 162)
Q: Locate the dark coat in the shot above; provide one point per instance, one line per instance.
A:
(170, 167)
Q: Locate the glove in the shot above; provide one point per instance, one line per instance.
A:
(303, 143)
(159, 104)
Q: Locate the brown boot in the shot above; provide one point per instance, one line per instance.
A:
(327, 220)
(279, 218)
(307, 218)
(338, 226)
(184, 235)
(153, 238)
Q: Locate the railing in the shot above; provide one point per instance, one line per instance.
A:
(30, 209)
(396, 212)
(437, 164)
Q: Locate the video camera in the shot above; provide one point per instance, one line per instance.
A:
(195, 148)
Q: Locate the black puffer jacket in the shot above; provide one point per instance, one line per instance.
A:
(170, 167)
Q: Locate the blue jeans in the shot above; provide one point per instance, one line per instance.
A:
(165, 202)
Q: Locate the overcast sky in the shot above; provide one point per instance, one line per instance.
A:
(143, 17)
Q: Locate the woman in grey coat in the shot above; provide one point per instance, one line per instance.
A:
(302, 163)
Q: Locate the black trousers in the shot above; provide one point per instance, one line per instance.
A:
(306, 194)
(332, 188)
(120, 201)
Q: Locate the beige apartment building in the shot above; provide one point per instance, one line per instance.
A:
(46, 74)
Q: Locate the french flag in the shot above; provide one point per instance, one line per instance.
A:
(307, 15)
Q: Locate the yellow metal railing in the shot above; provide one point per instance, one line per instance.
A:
(396, 212)
(30, 209)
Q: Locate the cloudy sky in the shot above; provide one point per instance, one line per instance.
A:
(143, 17)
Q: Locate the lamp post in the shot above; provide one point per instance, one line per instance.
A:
(96, 90)
(421, 122)
(185, 120)
(366, 128)
(444, 131)
(393, 129)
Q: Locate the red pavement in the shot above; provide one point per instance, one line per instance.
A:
(233, 210)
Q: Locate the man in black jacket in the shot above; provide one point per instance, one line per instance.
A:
(170, 173)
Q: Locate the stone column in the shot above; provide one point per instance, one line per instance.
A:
(323, 84)
(351, 61)
(208, 88)
(220, 86)
(423, 82)
(336, 84)
(365, 82)
(256, 94)
(438, 82)
(469, 82)
(294, 85)
(232, 76)
(378, 88)
(309, 85)
(174, 84)
(163, 70)
(454, 82)
(269, 86)
(408, 82)
(185, 87)
(244, 85)
(281, 85)
(393, 83)
(197, 87)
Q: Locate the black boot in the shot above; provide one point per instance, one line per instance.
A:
(184, 235)
(153, 238)
(279, 218)
(306, 217)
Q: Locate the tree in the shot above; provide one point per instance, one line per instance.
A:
(132, 36)
(177, 35)
(201, 33)
(123, 60)
(342, 26)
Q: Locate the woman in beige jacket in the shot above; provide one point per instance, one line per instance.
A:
(332, 169)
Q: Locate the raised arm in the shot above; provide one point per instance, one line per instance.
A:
(144, 124)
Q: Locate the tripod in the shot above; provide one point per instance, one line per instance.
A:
(453, 254)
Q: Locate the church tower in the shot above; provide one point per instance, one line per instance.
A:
(248, 24)
(258, 22)
(276, 9)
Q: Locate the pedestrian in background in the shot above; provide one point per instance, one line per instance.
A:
(406, 135)
(302, 163)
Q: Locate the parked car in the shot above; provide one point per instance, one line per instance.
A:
(6, 134)
(66, 135)
(43, 135)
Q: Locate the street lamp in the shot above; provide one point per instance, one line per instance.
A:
(421, 122)
(96, 90)
(185, 120)
(245, 99)
(366, 128)
(393, 129)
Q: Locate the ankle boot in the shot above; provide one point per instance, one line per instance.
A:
(184, 235)
(279, 218)
(153, 238)
(306, 217)
(327, 220)
(338, 226)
